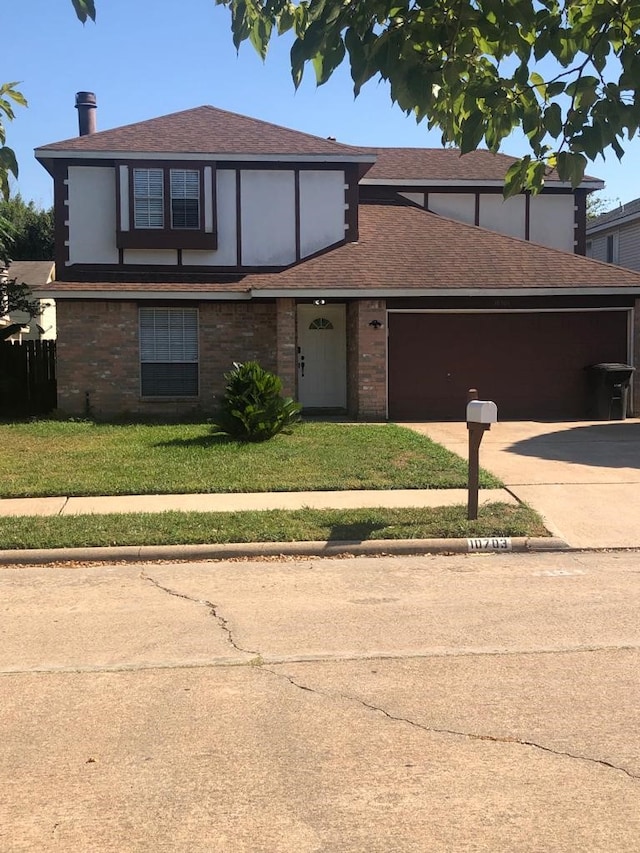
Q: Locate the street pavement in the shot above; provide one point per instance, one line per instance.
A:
(478, 702)
(582, 477)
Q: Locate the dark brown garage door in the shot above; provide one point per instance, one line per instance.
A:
(532, 365)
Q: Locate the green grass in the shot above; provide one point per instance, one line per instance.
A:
(43, 458)
(178, 528)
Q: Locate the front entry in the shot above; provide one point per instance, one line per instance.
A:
(322, 356)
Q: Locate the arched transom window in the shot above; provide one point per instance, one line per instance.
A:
(321, 323)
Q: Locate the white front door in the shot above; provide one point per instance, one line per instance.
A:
(322, 356)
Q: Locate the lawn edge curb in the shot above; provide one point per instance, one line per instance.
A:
(256, 550)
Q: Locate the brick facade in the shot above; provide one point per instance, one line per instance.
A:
(98, 356)
(229, 332)
(367, 359)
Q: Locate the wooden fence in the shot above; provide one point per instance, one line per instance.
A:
(27, 378)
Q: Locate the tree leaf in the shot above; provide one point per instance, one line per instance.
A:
(514, 179)
(553, 120)
(472, 132)
(85, 9)
(326, 63)
(8, 161)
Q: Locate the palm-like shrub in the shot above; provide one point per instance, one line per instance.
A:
(253, 408)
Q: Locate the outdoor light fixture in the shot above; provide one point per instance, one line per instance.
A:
(376, 324)
(318, 301)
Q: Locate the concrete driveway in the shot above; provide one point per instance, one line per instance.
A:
(582, 477)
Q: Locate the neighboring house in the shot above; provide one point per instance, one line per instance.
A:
(37, 275)
(379, 282)
(614, 237)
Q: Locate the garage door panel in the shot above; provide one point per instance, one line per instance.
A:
(532, 365)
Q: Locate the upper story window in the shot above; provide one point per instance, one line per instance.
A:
(148, 198)
(166, 207)
(612, 248)
(185, 198)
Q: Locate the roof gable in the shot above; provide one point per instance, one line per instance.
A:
(206, 130)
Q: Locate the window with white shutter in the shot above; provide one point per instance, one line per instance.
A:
(169, 352)
(148, 198)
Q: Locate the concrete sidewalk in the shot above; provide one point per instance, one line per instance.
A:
(353, 499)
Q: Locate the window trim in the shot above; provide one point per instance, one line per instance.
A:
(167, 237)
(165, 397)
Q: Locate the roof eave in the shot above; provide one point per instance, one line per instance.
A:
(44, 154)
(612, 223)
(590, 184)
(386, 292)
(49, 292)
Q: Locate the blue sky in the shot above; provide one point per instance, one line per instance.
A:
(151, 57)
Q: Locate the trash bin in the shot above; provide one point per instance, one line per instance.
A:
(609, 390)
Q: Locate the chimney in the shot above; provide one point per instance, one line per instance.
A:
(86, 106)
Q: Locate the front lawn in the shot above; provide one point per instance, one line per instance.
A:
(183, 528)
(43, 458)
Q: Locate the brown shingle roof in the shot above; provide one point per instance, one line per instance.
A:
(34, 273)
(405, 248)
(445, 164)
(206, 130)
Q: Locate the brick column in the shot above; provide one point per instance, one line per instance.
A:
(367, 348)
(286, 345)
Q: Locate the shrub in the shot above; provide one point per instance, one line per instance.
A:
(253, 408)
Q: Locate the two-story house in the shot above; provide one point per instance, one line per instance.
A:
(378, 282)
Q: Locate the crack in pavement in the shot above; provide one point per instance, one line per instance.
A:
(213, 611)
(453, 732)
(262, 659)
(223, 623)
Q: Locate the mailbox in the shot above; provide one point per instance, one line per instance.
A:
(482, 412)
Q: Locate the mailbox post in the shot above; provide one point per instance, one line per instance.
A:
(480, 415)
